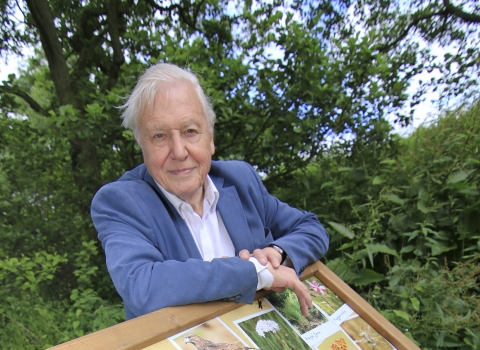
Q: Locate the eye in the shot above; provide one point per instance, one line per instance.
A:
(191, 133)
(158, 136)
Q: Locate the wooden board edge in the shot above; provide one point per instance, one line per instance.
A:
(149, 329)
(364, 309)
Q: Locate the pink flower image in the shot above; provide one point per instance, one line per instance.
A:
(317, 288)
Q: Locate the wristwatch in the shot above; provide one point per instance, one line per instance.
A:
(280, 250)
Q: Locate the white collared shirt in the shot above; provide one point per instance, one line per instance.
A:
(209, 232)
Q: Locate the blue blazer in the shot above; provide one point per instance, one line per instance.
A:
(153, 259)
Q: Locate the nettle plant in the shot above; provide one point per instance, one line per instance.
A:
(434, 304)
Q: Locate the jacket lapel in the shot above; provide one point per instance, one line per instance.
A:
(180, 225)
(233, 216)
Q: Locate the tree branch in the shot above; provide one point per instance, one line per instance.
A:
(22, 94)
(83, 54)
(196, 12)
(182, 12)
(232, 142)
(458, 12)
(86, 28)
(43, 18)
(272, 178)
(161, 8)
(118, 58)
(387, 47)
(85, 164)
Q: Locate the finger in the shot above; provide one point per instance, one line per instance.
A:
(274, 261)
(304, 297)
(260, 255)
(274, 257)
(244, 254)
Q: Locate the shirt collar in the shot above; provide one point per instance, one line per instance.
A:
(211, 195)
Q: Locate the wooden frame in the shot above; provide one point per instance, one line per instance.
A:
(152, 328)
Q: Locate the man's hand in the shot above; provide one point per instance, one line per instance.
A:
(285, 277)
(263, 256)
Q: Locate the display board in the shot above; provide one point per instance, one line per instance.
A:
(339, 320)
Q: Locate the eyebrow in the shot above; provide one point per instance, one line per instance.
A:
(159, 125)
(191, 122)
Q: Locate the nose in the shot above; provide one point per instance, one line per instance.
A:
(178, 149)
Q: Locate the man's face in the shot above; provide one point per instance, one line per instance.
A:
(176, 142)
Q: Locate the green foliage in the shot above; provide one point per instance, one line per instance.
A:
(423, 26)
(437, 306)
(413, 198)
(32, 318)
(396, 211)
(300, 91)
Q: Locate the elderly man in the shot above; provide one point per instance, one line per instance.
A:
(182, 228)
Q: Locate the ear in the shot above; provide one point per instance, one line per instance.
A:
(136, 134)
(137, 137)
(212, 144)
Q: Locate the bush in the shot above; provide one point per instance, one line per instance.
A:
(439, 307)
(403, 219)
(30, 315)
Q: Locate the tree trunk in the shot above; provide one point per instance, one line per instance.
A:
(85, 163)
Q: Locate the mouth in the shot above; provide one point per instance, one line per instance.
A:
(180, 172)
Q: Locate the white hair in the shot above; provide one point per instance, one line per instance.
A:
(157, 78)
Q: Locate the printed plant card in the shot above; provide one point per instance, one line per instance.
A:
(275, 322)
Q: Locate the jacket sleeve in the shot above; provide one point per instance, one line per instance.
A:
(297, 232)
(152, 269)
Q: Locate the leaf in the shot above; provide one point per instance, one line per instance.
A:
(326, 184)
(347, 245)
(407, 249)
(440, 338)
(439, 309)
(370, 255)
(419, 288)
(377, 180)
(469, 192)
(402, 314)
(457, 177)
(422, 207)
(394, 281)
(388, 161)
(342, 230)
(367, 276)
(415, 303)
(382, 248)
(394, 198)
(341, 269)
(443, 159)
(439, 248)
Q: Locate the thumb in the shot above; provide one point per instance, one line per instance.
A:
(244, 254)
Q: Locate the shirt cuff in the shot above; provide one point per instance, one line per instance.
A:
(265, 277)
